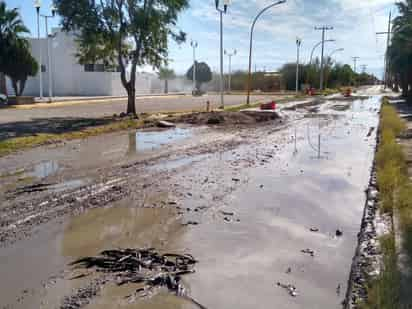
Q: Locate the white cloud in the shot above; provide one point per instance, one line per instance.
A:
(355, 23)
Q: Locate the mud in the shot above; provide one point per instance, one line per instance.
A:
(228, 118)
(311, 105)
(249, 233)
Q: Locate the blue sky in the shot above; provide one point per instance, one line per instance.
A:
(355, 23)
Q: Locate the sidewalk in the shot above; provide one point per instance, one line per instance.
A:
(102, 98)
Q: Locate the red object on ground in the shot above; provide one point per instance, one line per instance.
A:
(348, 92)
(268, 106)
(311, 91)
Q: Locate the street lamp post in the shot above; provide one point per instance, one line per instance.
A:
(221, 12)
(251, 45)
(298, 43)
(311, 56)
(316, 46)
(335, 51)
(49, 56)
(330, 57)
(230, 55)
(53, 9)
(194, 46)
(37, 5)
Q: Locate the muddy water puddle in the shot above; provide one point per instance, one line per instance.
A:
(45, 256)
(258, 203)
(151, 140)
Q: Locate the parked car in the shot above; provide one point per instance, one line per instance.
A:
(3, 98)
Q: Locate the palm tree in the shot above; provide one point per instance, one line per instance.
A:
(400, 51)
(166, 75)
(11, 29)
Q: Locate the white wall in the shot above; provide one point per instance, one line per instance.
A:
(70, 79)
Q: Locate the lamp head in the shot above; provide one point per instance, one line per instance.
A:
(53, 9)
(37, 5)
(225, 5)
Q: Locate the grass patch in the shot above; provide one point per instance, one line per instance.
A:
(395, 192)
(12, 145)
(390, 159)
(383, 293)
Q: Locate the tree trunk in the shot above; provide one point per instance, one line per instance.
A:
(166, 86)
(131, 100)
(3, 86)
(15, 87)
(404, 85)
(22, 86)
(408, 86)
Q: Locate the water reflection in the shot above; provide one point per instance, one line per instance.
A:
(150, 140)
(44, 169)
(117, 227)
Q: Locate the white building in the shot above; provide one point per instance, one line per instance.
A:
(69, 78)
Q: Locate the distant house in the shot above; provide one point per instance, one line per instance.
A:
(69, 78)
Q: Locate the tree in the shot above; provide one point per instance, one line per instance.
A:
(166, 75)
(129, 32)
(288, 72)
(400, 51)
(336, 75)
(11, 29)
(203, 74)
(20, 65)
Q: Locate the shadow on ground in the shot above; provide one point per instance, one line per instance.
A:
(54, 125)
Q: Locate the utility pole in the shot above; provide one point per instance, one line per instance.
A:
(37, 5)
(230, 55)
(221, 12)
(355, 60)
(298, 43)
(194, 46)
(324, 29)
(388, 41)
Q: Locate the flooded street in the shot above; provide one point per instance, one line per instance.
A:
(259, 207)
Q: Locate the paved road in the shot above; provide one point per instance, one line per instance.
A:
(249, 233)
(101, 109)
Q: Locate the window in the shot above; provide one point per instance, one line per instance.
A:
(99, 67)
(89, 67)
(43, 68)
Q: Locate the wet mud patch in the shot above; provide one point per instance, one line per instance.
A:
(311, 105)
(228, 118)
(351, 98)
(151, 272)
(340, 107)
